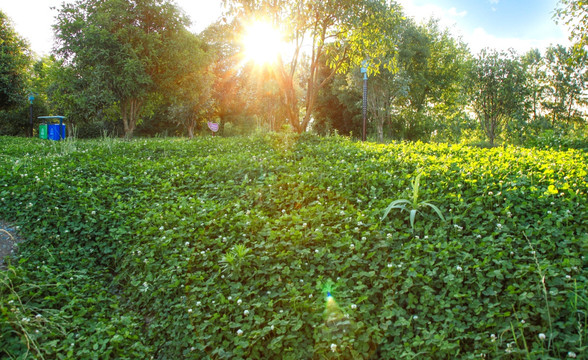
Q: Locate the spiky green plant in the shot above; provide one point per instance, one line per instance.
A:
(412, 206)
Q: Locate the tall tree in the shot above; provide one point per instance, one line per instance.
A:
(345, 31)
(231, 92)
(566, 82)
(496, 82)
(191, 86)
(123, 49)
(14, 65)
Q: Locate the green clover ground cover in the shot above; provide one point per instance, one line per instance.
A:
(229, 248)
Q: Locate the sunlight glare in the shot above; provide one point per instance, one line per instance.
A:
(262, 43)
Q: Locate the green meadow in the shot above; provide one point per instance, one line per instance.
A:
(275, 246)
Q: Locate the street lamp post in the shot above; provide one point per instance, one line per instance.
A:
(364, 69)
(31, 98)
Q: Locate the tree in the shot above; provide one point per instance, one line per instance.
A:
(14, 65)
(574, 13)
(122, 49)
(191, 90)
(231, 88)
(565, 85)
(497, 90)
(344, 31)
(426, 85)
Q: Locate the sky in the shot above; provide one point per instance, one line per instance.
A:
(501, 24)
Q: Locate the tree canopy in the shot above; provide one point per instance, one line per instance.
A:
(14, 63)
(344, 32)
(122, 49)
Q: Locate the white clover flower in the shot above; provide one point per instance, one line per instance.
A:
(571, 354)
(316, 251)
(499, 226)
(568, 277)
(272, 327)
(189, 310)
(230, 298)
(492, 337)
(239, 332)
(363, 238)
(390, 265)
(458, 268)
(352, 246)
(541, 336)
(187, 243)
(353, 306)
(310, 296)
(333, 347)
(161, 228)
(198, 303)
(246, 312)
(239, 302)
(388, 235)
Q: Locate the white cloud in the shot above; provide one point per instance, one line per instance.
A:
(447, 17)
(480, 39)
(457, 14)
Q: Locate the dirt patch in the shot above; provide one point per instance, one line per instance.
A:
(9, 237)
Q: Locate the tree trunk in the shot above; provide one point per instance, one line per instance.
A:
(191, 130)
(130, 108)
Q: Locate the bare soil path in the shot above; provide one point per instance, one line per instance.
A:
(8, 239)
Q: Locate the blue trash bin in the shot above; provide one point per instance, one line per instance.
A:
(56, 132)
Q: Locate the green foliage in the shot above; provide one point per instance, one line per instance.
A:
(574, 13)
(14, 63)
(226, 248)
(497, 90)
(341, 35)
(123, 51)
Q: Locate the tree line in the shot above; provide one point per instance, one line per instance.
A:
(133, 68)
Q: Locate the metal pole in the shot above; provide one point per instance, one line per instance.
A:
(31, 98)
(31, 120)
(363, 136)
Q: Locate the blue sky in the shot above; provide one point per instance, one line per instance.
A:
(502, 24)
(520, 24)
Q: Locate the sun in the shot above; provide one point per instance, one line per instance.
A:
(262, 43)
